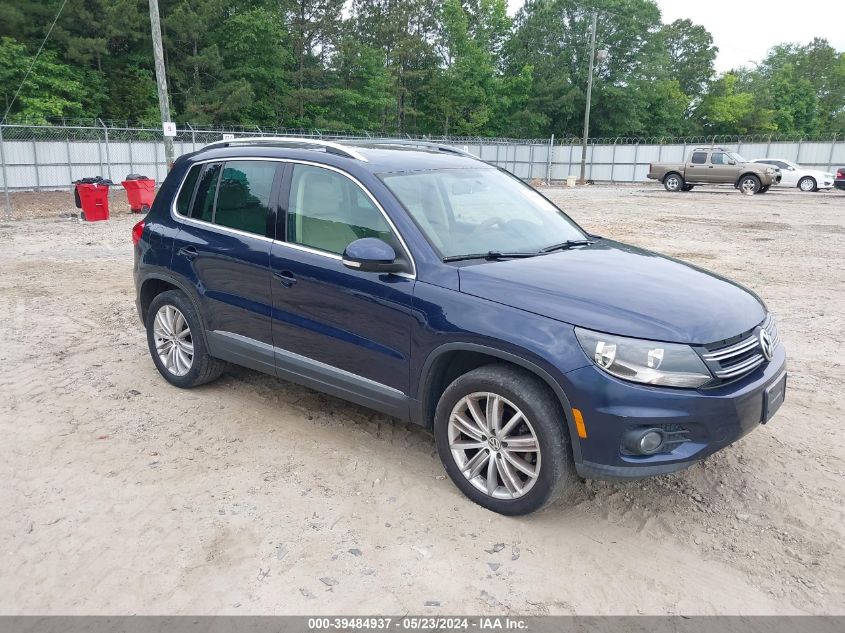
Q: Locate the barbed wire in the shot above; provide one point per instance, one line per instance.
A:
(80, 128)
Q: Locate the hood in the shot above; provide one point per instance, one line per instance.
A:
(620, 289)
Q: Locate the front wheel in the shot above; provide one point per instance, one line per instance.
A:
(808, 183)
(749, 184)
(764, 189)
(673, 182)
(501, 437)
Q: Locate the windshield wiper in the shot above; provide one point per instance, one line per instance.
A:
(490, 256)
(565, 245)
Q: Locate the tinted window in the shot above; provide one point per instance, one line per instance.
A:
(699, 158)
(780, 164)
(203, 208)
(327, 211)
(243, 198)
(183, 202)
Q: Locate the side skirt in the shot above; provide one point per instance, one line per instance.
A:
(305, 371)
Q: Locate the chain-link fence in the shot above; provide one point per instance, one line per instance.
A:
(50, 157)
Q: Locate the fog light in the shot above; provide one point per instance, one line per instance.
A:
(643, 441)
(650, 442)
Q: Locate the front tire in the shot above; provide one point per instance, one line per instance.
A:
(501, 436)
(176, 340)
(808, 184)
(764, 189)
(673, 182)
(749, 184)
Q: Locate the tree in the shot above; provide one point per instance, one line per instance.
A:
(691, 55)
(52, 89)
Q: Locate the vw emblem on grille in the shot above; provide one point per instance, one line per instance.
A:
(766, 345)
(494, 443)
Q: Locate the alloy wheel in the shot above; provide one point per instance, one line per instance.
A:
(749, 185)
(494, 445)
(173, 341)
(673, 183)
(806, 184)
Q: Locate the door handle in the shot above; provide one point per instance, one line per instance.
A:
(188, 251)
(710, 167)
(285, 278)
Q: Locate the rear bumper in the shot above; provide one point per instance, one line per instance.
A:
(839, 184)
(711, 419)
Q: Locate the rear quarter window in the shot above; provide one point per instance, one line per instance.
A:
(183, 201)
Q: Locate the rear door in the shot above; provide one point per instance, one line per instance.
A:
(223, 249)
(697, 168)
(343, 331)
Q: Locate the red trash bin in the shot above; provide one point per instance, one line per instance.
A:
(141, 193)
(94, 199)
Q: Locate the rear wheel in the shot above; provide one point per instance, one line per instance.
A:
(749, 184)
(501, 437)
(808, 183)
(176, 341)
(673, 182)
(687, 187)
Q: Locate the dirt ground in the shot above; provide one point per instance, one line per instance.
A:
(122, 494)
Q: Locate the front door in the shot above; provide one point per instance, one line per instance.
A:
(723, 169)
(223, 249)
(344, 331)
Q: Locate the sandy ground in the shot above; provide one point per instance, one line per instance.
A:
(122, 494)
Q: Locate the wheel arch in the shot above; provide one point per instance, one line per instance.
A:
(451, 360)
(748, 173)
(156, 283)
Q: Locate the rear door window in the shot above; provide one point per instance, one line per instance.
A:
(699, 158)
(243, 197)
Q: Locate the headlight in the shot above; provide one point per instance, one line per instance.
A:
(771, 170)
(649, 362)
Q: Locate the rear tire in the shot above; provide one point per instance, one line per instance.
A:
(687, 187)
(808, 184)
(471, 428)
(176, 339)
(673, 182)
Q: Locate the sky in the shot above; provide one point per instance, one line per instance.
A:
(744, 30)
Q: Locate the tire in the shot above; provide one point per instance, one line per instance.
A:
(673, 182)
(764, 189)
(808, 184)
(749, 184)
(541, 426)
(687, 187)
(163, 323)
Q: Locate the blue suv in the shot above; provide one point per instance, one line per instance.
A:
(419, 281)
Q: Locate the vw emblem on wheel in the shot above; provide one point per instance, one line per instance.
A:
(766, 345)
(494, 443)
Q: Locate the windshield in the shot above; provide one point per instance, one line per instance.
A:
(464, 211)
(736, 157)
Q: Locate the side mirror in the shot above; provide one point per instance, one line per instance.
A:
(371, 255)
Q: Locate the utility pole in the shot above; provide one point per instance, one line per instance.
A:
(583, 179)
(161, 79)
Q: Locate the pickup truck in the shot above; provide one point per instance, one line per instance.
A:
(715, 165)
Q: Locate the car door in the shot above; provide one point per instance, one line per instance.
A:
(720, 169)
(340, 330)
(789, 175)
(697, 168)
(223, 249)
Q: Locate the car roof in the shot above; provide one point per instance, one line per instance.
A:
(376, 156)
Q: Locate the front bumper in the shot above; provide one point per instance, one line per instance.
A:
(711, 418)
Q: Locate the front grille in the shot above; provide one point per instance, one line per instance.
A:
(737, 359)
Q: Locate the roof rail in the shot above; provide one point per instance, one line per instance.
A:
(709, 148)
(294, 141)
(414, 143)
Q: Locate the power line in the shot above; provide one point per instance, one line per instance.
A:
(35, 59)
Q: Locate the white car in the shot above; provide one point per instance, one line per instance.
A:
(796, 176)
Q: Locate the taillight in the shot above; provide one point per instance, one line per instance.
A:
(840, 173)
(137, 232)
